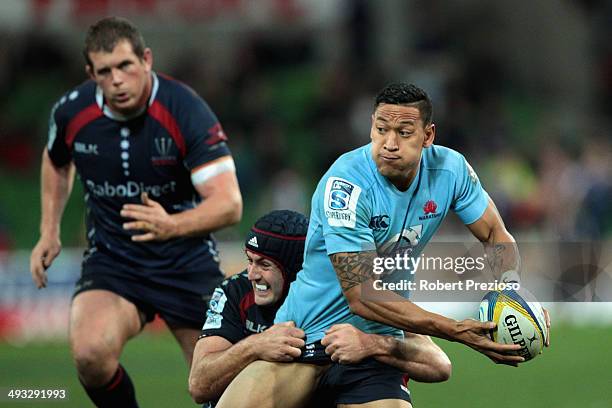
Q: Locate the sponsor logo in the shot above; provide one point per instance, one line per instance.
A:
(379, 222)
(429, 209)
(255, 327)
(86, 148)
(129, 189)
(309, 350)
(532, 339)
(163, 145)
(341, 202)
(253, 242)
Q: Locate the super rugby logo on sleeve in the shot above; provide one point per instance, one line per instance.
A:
(341, 202)
(215, 309)
(217, 301)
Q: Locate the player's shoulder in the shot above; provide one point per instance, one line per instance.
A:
(75, 100)
(438, 157)
(237, 285)
(172, 91)
(354, 167)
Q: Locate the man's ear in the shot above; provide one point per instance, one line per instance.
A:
(430, 135)
(371, 125)
(147, 59)
(89, 71)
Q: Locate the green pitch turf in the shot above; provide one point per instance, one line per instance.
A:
(575, 372)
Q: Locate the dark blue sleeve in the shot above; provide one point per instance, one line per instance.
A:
(59, 152)
(205, 139)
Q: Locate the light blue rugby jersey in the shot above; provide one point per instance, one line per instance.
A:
(355, 208)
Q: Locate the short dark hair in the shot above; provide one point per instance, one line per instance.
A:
(108, 32)
(407, 94)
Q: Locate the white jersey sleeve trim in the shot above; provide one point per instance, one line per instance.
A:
(205, 173)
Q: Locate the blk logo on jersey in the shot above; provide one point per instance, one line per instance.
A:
(429, 210)
(86, 148)
(341, 202)
(379, 222)
(255, 327)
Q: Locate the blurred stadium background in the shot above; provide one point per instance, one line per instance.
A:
(522, 88)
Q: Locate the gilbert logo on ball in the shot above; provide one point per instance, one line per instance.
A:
(519, 318)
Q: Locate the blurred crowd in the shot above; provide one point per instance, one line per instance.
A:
(536, 130)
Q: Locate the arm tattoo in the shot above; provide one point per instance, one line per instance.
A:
(353, 268)
(502, 256)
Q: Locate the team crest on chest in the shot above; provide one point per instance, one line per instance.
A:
(163, 152)
(430, 211)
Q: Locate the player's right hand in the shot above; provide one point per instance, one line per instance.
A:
(280, 343)
(476, 335)
(43, 254)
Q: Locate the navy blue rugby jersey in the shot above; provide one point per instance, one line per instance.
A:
(162, 150)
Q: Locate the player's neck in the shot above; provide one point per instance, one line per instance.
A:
(142, 102)
(144, 98)
(403, 182)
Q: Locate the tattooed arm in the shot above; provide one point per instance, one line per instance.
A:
(355, 272)
(500, 247)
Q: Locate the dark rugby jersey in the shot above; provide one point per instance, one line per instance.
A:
(232, 312)
(117, 158)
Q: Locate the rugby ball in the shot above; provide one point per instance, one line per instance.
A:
(519, 318)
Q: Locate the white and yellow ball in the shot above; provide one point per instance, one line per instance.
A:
(519, 318)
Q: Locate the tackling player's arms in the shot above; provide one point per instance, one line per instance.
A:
(416, 355)
(216, 361)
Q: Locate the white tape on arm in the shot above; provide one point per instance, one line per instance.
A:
(206, 172)
(511, 276)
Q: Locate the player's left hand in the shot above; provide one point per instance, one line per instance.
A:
(347, 344)
(151, 218)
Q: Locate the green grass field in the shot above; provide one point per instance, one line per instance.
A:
(575, 372)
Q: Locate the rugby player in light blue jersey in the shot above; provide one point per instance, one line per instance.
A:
(383, 198)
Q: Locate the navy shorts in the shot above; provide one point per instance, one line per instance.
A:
(359, 383)
(180, 298)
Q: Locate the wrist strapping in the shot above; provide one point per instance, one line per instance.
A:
(511, 276)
